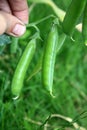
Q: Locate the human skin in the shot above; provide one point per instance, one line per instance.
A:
(13, 17)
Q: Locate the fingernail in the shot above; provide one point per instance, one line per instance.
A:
(18, 30)
(26, 22)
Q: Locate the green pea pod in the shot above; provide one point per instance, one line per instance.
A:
(14, 45)
(26, 35)
(49, 59)
(22, 67)
(84, 25)
(72, 15)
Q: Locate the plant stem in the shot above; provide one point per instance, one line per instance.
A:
(60, 13)
(41, 20)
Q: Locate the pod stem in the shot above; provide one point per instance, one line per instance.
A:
(41, 20)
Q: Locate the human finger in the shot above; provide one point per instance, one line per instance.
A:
(20, 9)
(11, 25)
(4, 6)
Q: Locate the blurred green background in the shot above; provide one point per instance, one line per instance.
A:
(35, 106)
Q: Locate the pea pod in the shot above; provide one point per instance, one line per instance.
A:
(72, 15)
(14, 45)
(19, 75)
(84, 25)
(49, 59)
(26, 35)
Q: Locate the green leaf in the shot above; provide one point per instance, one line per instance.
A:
(4, 39)
(36, 69)
(61, 41)
(2, 49)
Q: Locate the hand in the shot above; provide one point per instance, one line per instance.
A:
(13, 17)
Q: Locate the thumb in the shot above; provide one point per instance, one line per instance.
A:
(11, 25)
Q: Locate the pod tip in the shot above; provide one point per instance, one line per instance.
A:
(53, 96)
(85, 43)
(15, 98)
(72, 39)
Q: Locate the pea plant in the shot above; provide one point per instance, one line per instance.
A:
(44, 71)
(67, 23)
(62, 26)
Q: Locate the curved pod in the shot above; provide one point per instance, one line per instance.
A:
(22, 67)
